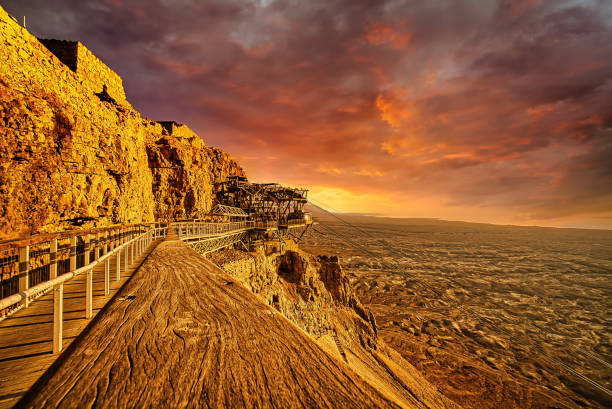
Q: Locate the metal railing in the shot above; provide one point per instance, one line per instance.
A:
(265, 224)
(206, 244)
(31, 267)
(200, 229)
(36, 266)
(207, 237)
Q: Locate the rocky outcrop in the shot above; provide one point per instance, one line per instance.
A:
(75, 153)
(315, 294)
(304, 288)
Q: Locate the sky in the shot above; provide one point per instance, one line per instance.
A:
(476, 110)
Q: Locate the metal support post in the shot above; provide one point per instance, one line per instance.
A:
(58, 317)
(107, 276)
(89, 294)
(24, 271)
(53, 259)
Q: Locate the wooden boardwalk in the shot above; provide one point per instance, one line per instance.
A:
(26, 336)
(183, 333)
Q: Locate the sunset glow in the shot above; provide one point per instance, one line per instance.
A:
(492, 111)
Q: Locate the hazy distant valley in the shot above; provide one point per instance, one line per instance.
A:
(476, 308)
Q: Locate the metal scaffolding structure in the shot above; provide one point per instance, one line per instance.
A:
(228, 211)
(275, 210)
(262, 201)
(207, 244)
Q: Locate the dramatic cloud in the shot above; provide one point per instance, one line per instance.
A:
(478, 110)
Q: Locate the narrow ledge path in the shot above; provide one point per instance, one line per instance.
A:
(183, 333)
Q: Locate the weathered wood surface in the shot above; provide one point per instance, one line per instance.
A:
(25, 337)
(182, 333)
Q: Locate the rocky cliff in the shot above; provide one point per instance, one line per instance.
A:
(75, 153)
(315, 294)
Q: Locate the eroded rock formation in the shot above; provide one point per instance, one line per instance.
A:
(75, 153)
(315, 294)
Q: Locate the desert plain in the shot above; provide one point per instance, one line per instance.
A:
(494, 316)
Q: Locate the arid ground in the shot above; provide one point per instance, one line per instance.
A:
(494, 316)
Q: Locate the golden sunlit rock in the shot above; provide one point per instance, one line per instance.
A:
(75, 153)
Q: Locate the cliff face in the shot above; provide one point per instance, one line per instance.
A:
(75, 153)
(304, 288)
(315, 294)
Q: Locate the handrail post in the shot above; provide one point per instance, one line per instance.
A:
(106, 242)
(89, 294)
(58, 317)
(73, 245)
(97, 248)
(88, 277)
(24, 271)
(87, 249)
(107, 276)
(127, 259)
(118, 271)
(53, 259)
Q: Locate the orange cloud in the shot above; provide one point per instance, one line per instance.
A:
(325, 168)
(392, 146)
(411, 147)
(368, 172)
(390, 110)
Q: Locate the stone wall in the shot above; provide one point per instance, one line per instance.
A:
(72, 157)
(97, 77)
(93, 73)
